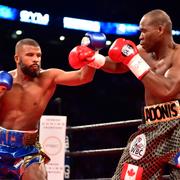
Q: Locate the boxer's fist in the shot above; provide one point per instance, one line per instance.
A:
(80, 56)
(126, 52)
(6, 81)
(94, 40)
(122, 50)
(87, 53)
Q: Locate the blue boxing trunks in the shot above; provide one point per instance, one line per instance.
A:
(18, 150)
(154, 146)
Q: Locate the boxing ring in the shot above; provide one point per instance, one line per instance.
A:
(105, 152)
(120, 124)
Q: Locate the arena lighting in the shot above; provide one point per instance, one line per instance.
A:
(8, 13)
(105, 27)
(119, 28)
(62, 38)
(108, 42)
(23, 15)
(18, 32)
(96, 26)
(34, 17)
(14, 14)
(175, 32)
(81, 24)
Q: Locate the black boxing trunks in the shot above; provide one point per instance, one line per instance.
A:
(155, 145)
(18, 150)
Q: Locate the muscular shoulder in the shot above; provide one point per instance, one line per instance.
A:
(51, 73)
(47, 76)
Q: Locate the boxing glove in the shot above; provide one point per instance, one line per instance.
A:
(126, 52)
(80, 56)
(95, 41)
(87, 53)
(6, 81)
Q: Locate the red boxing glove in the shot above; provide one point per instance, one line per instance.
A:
(80, 56)
(83, 55)
(126, 52)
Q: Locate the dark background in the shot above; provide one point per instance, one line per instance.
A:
(110, 97)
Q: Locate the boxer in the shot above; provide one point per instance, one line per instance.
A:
(156, 63)
(24, 95)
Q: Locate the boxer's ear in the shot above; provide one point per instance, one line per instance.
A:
(16, 58)
(161, 29)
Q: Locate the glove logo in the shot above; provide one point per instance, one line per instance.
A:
(127, 50)
(138, 147)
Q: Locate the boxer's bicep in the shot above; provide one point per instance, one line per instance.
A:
(173, 78)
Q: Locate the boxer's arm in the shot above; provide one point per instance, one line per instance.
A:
(88, 52)
(167, 86)
(113, 67)
(163, 86)
(118, 67)
(71, 78)
(85, 59)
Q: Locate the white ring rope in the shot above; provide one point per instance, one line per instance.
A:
(117, 124)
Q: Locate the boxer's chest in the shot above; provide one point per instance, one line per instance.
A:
(161, 66)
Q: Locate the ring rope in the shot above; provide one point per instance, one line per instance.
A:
(95, 152)
(118, 124)
(109, 151)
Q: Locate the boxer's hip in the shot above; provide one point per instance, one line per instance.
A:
(20, 147)
(16, 138)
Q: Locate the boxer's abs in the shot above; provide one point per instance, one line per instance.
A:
(19, 120)
(151, 100)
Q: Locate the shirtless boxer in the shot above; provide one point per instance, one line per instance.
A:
(156, 62)
(24, 95)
